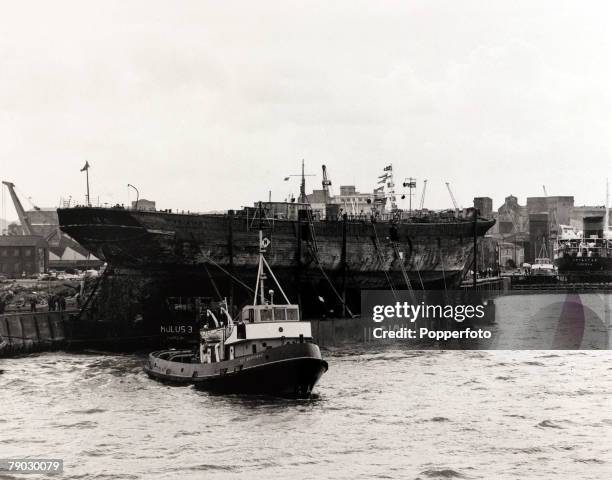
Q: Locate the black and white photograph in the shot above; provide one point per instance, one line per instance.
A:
(305, 239)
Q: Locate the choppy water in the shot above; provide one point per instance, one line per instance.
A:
(378, 413)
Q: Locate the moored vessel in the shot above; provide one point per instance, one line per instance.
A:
(434, 249)
(543, 269)
(323, 253)
(585, 255)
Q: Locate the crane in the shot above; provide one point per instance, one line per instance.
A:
(23, 219)
(423, 195)
(326, 183)
(452, 196)
(544, 188)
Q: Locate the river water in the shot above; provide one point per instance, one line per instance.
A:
(379, 412)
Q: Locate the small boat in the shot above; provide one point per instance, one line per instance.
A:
(543, 268)
(268, 350)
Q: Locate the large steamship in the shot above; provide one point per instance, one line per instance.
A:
(324, 260)
(585, 255)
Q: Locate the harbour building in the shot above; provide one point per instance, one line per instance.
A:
(23, 255)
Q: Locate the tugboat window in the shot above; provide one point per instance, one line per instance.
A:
(292, 314)
(279, 313)
(265, 315)
(254, 348)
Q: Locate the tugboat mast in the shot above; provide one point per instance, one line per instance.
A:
(261, 273)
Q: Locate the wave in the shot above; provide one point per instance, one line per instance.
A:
(548, 424)
(442, 473)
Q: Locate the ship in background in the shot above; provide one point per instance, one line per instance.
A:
(325, 255)
(585, 255)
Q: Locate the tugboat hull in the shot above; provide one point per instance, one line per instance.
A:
(291, 370)
(285, 378)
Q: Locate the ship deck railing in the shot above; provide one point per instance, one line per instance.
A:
(430, 216)
(564, 287)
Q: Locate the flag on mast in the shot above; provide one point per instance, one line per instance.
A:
(86, 167)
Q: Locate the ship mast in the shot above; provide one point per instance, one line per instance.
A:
(607, 214)
(387, 189)
(302, 198)
(261, 274)
(303, 185)
(264, 243)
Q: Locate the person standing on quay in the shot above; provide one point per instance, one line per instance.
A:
(51, 302)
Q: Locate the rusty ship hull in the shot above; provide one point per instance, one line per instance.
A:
(157, 255)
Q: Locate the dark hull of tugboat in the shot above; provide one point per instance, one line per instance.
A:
(288, 371)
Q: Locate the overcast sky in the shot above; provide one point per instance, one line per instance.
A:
(208, 105)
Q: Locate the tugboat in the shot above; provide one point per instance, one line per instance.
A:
(268, 350)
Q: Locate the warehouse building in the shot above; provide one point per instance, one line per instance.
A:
(23, 255)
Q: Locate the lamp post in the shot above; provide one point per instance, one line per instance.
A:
(137, 194)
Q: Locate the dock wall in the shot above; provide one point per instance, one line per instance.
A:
(337, 331)
(28, 332)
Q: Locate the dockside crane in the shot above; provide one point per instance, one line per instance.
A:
(452, 196)
(23, 219)
(422, 202)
